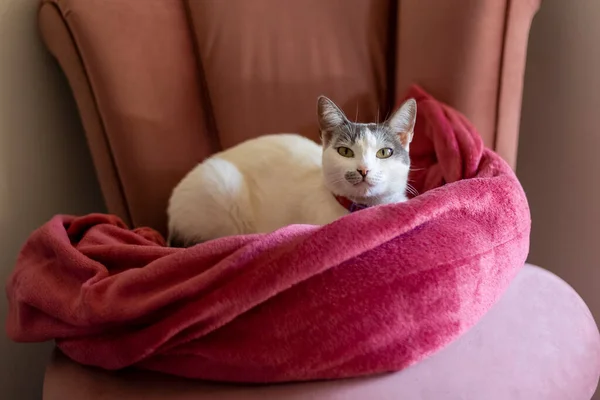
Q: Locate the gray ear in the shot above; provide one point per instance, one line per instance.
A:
(330, 117)
(403, 121)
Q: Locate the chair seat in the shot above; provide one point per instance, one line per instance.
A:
(539, 342)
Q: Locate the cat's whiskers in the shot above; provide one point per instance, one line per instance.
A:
(335, 180)
(411, 189)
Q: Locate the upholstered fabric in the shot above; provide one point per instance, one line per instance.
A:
(162, 84)
(539, 342)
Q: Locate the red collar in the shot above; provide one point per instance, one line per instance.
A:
(349, 204)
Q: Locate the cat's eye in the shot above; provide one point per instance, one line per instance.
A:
(386, 152)
(345, 152)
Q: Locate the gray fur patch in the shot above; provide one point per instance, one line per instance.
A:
(350, 132)
(353, 177)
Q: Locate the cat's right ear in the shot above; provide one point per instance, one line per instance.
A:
(330, 118)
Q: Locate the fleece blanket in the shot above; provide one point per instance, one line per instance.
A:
(375, 291)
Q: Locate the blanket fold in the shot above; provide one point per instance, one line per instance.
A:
(301, 303)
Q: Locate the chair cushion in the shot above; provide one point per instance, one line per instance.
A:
(539, 342)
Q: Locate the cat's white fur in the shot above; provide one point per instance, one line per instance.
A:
(276, 180)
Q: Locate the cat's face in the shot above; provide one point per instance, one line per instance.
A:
(368, 163)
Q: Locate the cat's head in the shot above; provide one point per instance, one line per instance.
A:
(367, 163)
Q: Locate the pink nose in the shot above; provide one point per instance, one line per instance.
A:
(362, 171)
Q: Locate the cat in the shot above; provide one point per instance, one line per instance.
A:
(275, 180)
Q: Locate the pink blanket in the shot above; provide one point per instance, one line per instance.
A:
(375, 291)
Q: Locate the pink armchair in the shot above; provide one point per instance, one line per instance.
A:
(161, 84)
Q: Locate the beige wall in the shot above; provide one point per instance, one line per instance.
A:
(45, 168)
(559, 151)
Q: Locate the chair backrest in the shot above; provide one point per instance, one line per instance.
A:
(160, 85)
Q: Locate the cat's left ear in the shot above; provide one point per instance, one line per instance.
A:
(403, 121)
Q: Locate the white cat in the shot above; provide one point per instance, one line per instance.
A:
(276, 180)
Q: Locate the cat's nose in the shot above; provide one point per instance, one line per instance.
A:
(362, 171)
